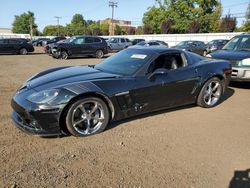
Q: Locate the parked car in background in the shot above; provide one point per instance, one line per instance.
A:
(136, 41)
(15, 46)
(40, 41)
(79, 46)
(237, 51)
(153, 43)
(118, 43)
(215, 45)
(48, 43)
(48, 48)
(197, 47)
(83, 100)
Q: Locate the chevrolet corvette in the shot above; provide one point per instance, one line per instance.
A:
(83, 100)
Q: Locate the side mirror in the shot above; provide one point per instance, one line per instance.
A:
(160, 71)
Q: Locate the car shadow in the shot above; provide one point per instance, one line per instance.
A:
(240, 85)
(229, 93)
(241, 179)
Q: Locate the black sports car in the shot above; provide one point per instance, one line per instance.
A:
(82, 100)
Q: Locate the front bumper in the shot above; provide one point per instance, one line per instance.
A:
(241, 74)
(33, 120)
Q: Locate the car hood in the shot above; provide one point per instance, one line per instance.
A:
(57, 77)
(230, 54)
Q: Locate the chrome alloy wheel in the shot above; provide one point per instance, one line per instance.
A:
(88, 117)
(212, 93)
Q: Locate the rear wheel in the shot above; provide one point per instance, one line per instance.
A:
(99, 54)
(64, 55)
(87, 116)
(210, 93)
(23, 51)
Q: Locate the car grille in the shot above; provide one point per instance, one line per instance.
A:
(234, 73)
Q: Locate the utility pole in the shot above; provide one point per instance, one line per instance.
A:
(113, 5)
(31, 28)
(58, 28)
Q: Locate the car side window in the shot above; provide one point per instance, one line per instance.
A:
(122, 40)
(153, 44)
(89, 40)
(79, 41)
(166, 61)
(245, 43)
(11, 41)
(2, 41)
(97, 40)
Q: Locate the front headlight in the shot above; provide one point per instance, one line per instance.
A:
(43, 97)
(244, 62)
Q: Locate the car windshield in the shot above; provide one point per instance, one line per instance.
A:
(126, 62)
(231, 45)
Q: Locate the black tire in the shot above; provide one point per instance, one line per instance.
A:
(64, 55)
(23, 51)
(78, 120)
(99, 54)
(211, 93)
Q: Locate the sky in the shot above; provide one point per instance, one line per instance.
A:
(46, 10)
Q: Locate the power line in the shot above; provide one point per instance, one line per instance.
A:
(113, 5)
(58, 26)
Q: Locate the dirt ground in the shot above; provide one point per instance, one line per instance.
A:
(185, 147)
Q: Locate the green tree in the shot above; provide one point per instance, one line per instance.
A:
(52, 30)
(104, 29)
(183, 13)
(246, 26)
(23, 22)
(94, 28)
(77, 25)
(139, 30)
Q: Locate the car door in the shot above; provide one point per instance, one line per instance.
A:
(168, 90)
(14, 45)
(78, 46)
(3, 45)
(122, 44)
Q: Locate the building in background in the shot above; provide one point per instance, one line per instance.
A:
(5, 30)
(123, 24)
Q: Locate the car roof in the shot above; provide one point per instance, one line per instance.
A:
(156, 50)
(243, 34)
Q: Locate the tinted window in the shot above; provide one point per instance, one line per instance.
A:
(153, 44)
(97, 40)
(245, 43)
(89, 40)
(126, 62)
(2, 41)
(11, 41)
(122, 40)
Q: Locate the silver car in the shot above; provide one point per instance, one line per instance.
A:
(153, 43)
(118, 43)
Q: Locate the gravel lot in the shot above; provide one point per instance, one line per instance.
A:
(185, 147)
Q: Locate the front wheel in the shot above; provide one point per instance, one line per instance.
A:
(23, 51)
(99, 54)
(87, 116)
(64, 55)
(210, 93)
